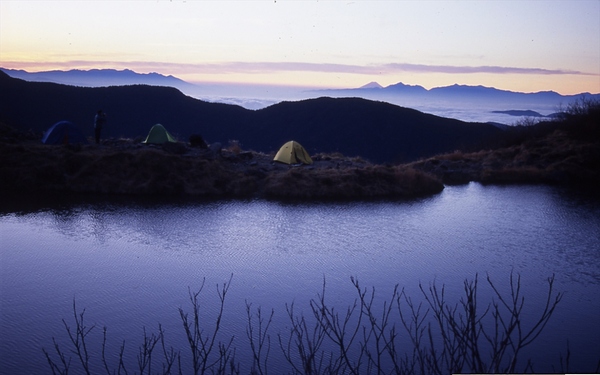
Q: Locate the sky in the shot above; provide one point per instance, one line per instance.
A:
(526, 46)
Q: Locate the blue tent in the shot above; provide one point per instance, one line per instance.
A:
(63, 132)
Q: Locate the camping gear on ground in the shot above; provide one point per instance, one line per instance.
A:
(293, 153)
(159, 135)
(63, 133)
(196, 140)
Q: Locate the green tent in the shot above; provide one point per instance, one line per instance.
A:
(159, 135)
(292, 153)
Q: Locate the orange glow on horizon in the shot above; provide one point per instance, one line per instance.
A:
(562, 84)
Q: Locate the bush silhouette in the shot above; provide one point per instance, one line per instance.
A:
(400, 336)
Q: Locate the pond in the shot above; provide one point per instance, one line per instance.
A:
(132, 264)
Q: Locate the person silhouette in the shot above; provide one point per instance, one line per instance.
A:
(99, 122)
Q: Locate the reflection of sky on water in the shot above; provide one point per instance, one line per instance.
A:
(133, 262)
(455, 224)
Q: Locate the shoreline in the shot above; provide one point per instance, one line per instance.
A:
(566, 154)
(124, 167)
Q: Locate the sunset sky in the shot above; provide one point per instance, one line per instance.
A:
(525, 46)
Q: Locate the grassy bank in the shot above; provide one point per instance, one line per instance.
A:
(129, 167)
(560, 152)
(564, 151)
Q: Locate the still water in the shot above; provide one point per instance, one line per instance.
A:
(130, 264)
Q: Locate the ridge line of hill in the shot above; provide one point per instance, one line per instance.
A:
(565, 153)
(377, 131)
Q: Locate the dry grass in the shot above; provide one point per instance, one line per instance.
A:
(351, 183)
(567, 153)
(513, 175)
(134, 169)
(456, 155)
(556, 158)
(563, 152)
(234, 146)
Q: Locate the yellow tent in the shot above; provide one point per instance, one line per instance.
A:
(292, 153)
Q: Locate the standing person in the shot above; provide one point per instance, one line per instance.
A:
(99, 121)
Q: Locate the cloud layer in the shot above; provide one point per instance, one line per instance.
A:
(277, 67)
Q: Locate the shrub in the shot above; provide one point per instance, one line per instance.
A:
(583, 106)
(234, 147)
(364, 338)
(527, 121)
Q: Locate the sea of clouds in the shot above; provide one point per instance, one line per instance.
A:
(256, 97)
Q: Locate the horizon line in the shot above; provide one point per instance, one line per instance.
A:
(263, 67)
(455, 70)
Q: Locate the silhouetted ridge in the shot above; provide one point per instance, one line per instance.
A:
(377, 131)
(97, 77)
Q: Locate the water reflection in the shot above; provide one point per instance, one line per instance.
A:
(143, 255)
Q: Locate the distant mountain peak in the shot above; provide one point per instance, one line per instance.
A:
(98, 77)
(401, 85)
(371, 85)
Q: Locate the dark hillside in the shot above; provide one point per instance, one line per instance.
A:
(131, 110)
(376, 131)
(562, 152)
(379, 131)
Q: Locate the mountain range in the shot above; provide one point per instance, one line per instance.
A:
(98, 77)
(456, 92)
(414, 96)
(377, 131)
